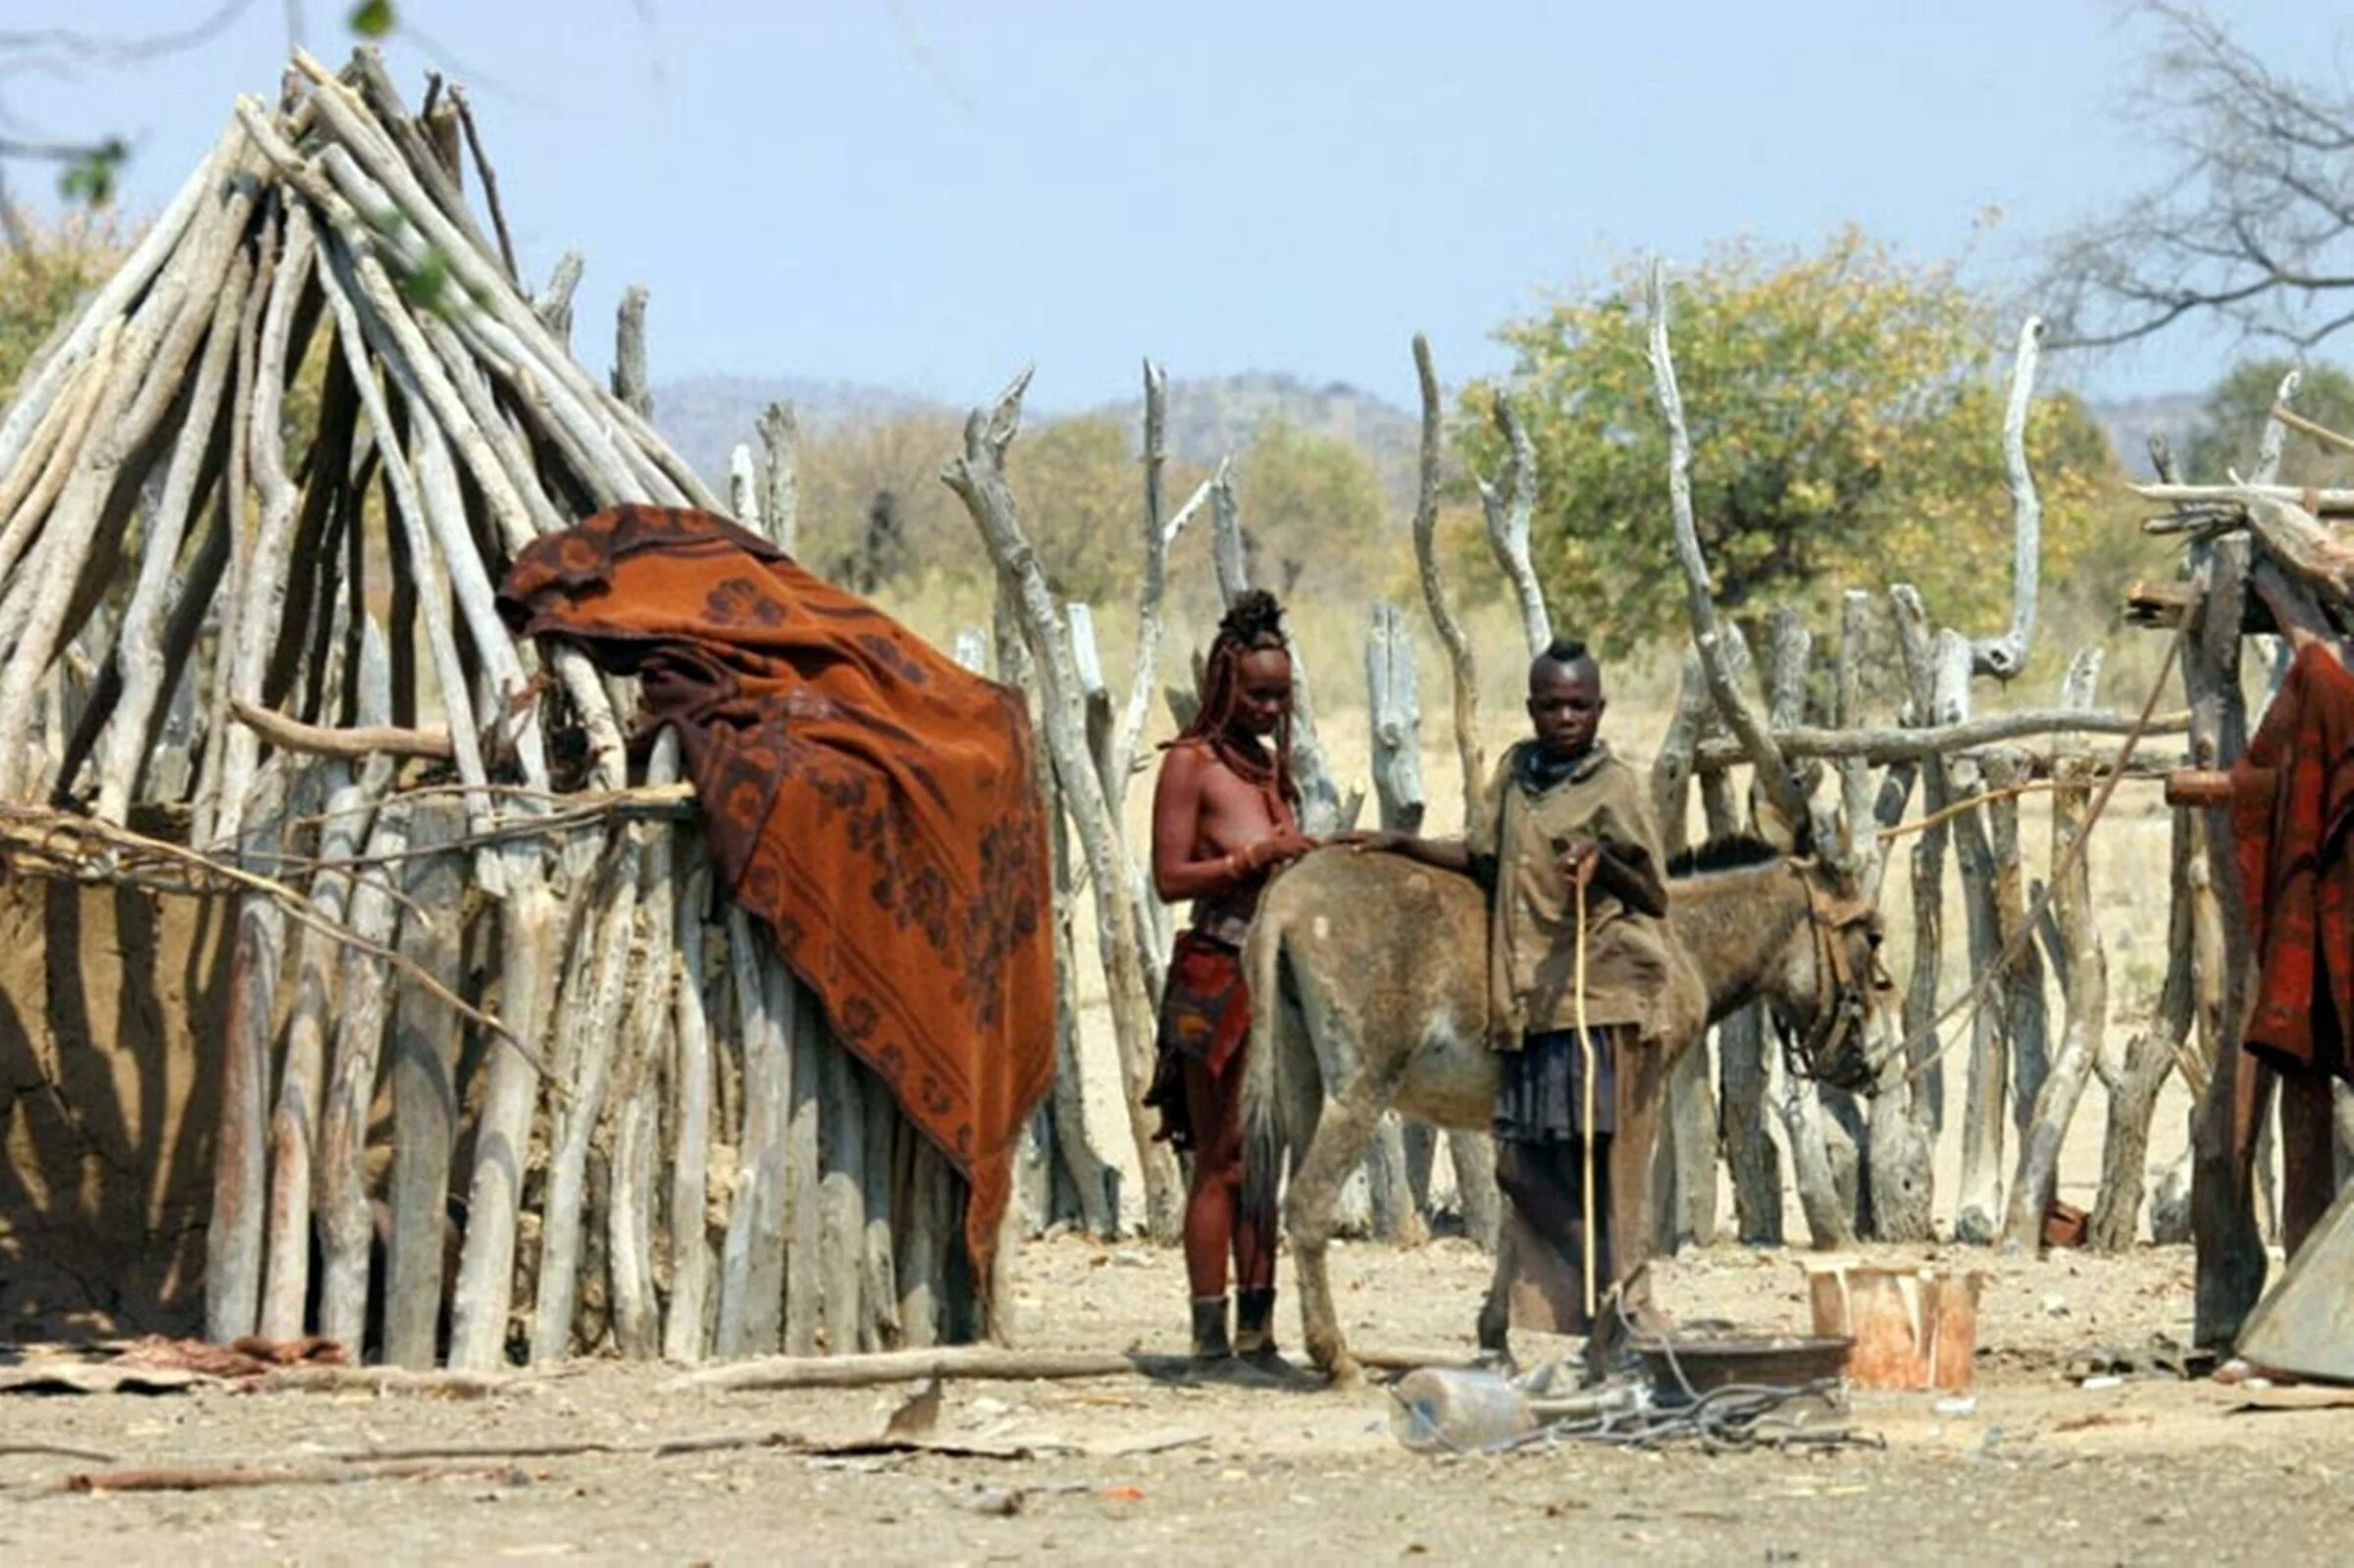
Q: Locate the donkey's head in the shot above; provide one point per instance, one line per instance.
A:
(1827, 984)
(1793, 930)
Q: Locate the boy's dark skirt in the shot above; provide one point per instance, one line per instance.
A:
(1542, 1099)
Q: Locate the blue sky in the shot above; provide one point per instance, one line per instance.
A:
(926, 194)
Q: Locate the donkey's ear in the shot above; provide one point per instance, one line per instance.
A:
(1768, 823)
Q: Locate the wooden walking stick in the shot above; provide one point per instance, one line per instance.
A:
(1585, 1051)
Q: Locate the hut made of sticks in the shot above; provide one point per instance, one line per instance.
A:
(2267, 575)
(362, 985)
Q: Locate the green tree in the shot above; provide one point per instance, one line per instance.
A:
(1845, 408)
(42, 277)
(851, 473)
(1312, 508)
(2231, 421)
(874, 512)
(1082, 495)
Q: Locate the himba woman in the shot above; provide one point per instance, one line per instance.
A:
(1224, 816)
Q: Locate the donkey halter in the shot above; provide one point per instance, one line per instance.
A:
(1839, 1013)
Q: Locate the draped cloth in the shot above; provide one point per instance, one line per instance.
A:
(870, 800)
(2292, 814)
(1205, 1018)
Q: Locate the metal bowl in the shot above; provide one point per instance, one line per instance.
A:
(1682, 1368)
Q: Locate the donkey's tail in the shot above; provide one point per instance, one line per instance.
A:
(1265, 1136)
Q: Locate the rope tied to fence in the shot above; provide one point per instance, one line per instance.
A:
(1982, 984)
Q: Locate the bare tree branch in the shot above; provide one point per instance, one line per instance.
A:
(1463, 670)
(2254, 227)
(2271, 445)
(1756, 740)
(2005, 656)
(1130, 738)
(83, 46)
(1509, 501)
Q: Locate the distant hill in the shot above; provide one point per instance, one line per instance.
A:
(2130, 421)
(1216, 416)
(1210, 418)
(703, 417)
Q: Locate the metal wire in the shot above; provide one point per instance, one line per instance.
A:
(1736, 1416)
(1730, 1418)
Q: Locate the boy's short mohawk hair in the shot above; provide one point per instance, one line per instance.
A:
(1567, 650)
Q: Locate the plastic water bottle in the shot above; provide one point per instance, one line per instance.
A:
(1457, 1410)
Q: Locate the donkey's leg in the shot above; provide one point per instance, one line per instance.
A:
(1644, 1076)
(1309, 1213)
(1496, 1311)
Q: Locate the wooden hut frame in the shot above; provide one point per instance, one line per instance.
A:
(2263, 560)
(252, 652)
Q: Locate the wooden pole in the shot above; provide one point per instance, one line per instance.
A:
(1758, 740)
(424, 1064)
(1829, 1209)
(233, 1235)
(1072, 1148)
(805, 1224)
(781, 496)
(2151, 1056)
(140, 650)
(347, 1225)
(2022, 983)
(878, 1269)
(2086, 987)
(2231, 1260)
(842, 1196)
(637, 1086)
(1509, 503)
(752, 1287)
(260, 618)
(530, 926)
(630, 383)
(2005, 656)
(294, 1128)
(978, 476)
(1133, 900)
(925, 1233)
(1855, 855)
(588, 1023)
(209, 802)
(1462, 667)
(1902, 1158)
(1978, 1201)
(684, 1336)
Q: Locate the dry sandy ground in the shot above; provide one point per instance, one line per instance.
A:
(2038, 1471)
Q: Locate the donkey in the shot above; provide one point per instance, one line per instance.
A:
(1370, 979)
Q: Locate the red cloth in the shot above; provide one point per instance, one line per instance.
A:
(872, 801)
(1205, 1019)
(2293, 804)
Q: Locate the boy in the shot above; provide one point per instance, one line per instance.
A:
(1561, 812)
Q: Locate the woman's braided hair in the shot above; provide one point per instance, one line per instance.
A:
(1252, 623)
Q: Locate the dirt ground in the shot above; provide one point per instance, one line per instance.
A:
(2038, 1469)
